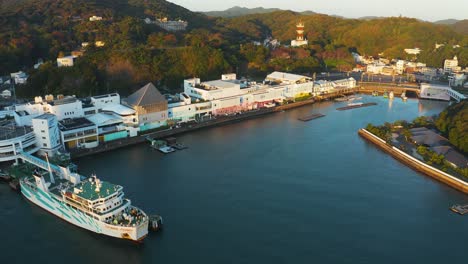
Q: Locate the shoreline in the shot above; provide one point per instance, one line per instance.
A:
(219, 121)
(414, 163)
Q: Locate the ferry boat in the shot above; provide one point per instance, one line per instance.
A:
(89, 203)
(391, 95)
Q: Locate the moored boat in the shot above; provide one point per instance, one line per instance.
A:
(89, 203)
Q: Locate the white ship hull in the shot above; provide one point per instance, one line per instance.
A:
(78, 218)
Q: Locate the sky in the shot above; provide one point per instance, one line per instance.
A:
(429, 10)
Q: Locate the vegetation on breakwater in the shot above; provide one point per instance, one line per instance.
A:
(398, 134)
(453, 123)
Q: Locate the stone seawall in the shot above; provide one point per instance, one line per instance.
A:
(415, 163)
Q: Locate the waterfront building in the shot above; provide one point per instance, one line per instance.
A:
(62, 107)
(323, 87)
(14, 138)
(67, 61)
(47, 133)
(227, 86)
(345, 83)
(150, 107)
(180, 108)
(451, 65)
(300, 39)
(434, 91)
(293, 85)
(109, 126)
(78, 133)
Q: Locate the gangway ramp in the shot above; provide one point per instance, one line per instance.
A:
(40, 163)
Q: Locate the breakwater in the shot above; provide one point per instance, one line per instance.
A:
(415, 163)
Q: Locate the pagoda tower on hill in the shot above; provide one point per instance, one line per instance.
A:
(300, 40)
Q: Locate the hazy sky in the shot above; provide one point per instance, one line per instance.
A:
(429, 10)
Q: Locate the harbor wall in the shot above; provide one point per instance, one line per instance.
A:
(415, 163)
(119, 143)
(218, 121)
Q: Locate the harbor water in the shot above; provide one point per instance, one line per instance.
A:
(268, 190)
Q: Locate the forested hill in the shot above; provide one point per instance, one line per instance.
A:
(238, 11)
(453, 123)
(136, 52)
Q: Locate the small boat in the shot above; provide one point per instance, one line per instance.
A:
(166, 149)
(375, 93)
(342, 99)
(385, 94)
(179, 146)
(403, 97)
(355, 104)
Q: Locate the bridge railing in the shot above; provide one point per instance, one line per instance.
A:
(39, 162)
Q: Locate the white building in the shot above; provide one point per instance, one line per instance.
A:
(66, 61)
(227, 86)
(99, 43)
(434, 91)
(375, 68)
(414, 51)
(400, 66)
(19, 77)
(293, 85)
(14, 138)
(95, 18)
(78, 133)
(62, 107)
(171, 25)
(451, 65)
(457, 79)
(47, 133)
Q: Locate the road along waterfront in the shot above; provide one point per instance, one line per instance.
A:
(266, 190)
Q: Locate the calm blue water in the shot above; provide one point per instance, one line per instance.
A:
(269, 190)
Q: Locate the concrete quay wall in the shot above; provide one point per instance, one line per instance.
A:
(415, 163)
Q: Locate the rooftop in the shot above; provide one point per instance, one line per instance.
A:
(45, 116)
(146, 95)
(74, 123)
(87, 189)
(219, 84)
(452, 155)
(103, 119)
(118, 109)
(9, 131)
(283, 76)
